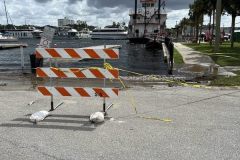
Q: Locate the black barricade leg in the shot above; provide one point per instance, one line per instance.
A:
(104, 106)
(33, 62)
(52, 105)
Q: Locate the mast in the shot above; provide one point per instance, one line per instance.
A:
(145, 19)
(6, 11)
(159, 14)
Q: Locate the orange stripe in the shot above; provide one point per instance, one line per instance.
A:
(53, 53)
(72, 53)
(97, 73)
(59, 73)
(115, 91)
(100, 92)
(111, 53)
(38, 55)
(41, 73)
(92, 53)
(82, 92)
(44, 91)
(77, 72)
(114, 72)
(63, 91)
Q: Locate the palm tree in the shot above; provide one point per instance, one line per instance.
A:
(196, 12)
(210, 10)
(233, 8)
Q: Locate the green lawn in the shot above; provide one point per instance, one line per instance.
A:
(226, 56)
(177, 57)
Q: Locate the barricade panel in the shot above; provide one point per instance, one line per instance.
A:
(77, 53)
(77, 73)
(79, 91)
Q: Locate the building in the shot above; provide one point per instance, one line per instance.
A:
(64, 22)
(79, 22)
(145, 20)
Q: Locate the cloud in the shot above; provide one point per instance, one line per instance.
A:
(94, 12)
(43, 1)
(172, 4)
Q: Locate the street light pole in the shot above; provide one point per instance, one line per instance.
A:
(218, 22)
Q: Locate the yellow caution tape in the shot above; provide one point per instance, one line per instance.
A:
(156, 118)
(109, 66)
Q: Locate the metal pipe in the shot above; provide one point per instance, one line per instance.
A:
(135, 14)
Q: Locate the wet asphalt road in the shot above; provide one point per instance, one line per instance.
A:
(204, 125)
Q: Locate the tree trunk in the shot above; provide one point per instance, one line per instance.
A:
(197, 29)
(213, 26)
(201, 27)
(233, 28)
(209, 28)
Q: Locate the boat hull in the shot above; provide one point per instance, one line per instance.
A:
(9, 40)
(109, 37)
(139, 40)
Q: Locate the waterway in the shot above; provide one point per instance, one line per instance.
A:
(132, 57)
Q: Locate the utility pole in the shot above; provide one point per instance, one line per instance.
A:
(218, 23)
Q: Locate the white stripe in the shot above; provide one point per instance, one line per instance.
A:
(90, 91)
(88, 74)
(68, 72)
(82, 53)
(43, 53)
(116, 51)
(102, 54)
(62, 52)
(110, 92)
(107, 74)
(72, 91)
(54, 91)
(50, 73)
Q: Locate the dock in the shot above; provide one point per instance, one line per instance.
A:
(12, 45)
(105, 46)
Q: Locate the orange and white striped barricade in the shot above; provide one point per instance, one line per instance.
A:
(79, 73)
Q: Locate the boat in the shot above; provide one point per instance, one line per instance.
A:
(146, 21)
(13, 32)
(4, 38)
(36, 33)
(109, 33)
(20, 33)
(84, 33)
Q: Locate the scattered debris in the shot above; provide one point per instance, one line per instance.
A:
(112, 119)
(31, 103)
(3, 84)
(38, 116)
(97, 117)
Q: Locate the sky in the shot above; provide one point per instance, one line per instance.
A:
(94, 12)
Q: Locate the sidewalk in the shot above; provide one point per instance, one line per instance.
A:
(200, 124)
(193, 57)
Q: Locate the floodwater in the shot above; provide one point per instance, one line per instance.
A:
(132, 57)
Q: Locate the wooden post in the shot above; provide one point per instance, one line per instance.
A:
(22, 57)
